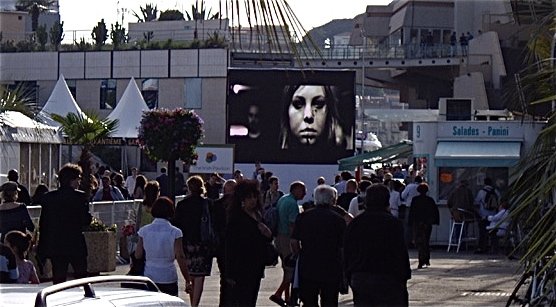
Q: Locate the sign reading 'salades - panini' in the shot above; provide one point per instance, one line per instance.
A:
(291, 116)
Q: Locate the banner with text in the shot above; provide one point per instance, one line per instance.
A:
(214, 158)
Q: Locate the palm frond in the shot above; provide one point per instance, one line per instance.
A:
(20, 99)
(85, 130)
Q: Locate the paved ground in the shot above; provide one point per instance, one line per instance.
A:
(462, 279)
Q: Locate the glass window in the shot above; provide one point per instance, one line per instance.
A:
(149, 90)
(72, 85)
(449, 177)
(193, 93)
(108, 94)
(24, 164)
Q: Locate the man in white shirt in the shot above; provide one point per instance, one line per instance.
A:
(356, 206)
(130, 180)
(408, 193)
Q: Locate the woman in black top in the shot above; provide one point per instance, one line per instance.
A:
(246, 240)
(423, 213)
(199, 255)
(13, 215)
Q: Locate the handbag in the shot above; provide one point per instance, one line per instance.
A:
(136, 266)
(208, 235)
(271, 255)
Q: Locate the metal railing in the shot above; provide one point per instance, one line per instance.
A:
(120, 213)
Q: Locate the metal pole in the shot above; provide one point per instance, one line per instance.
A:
(361, 104)
(552, 60)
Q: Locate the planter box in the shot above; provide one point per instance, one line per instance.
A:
(101, 250)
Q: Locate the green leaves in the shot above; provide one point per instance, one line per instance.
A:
(85, 130)
(170, 134)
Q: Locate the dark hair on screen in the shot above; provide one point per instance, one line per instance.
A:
(333, 132)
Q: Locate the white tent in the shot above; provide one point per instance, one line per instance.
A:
(60, 102)
(129, 112)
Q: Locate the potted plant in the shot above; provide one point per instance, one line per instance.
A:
(101, 247)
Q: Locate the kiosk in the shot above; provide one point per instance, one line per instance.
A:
(446, 152)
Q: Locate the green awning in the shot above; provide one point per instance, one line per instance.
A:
(401, 150)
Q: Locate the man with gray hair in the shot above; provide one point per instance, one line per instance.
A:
(318, 240)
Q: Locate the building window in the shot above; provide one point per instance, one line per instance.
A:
(193, 93)
(149, 90)
(72, 85)
(108, 94)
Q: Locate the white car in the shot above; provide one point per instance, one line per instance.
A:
(113, 290)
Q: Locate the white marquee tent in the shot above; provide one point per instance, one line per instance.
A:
(60, 102)
(129, 112)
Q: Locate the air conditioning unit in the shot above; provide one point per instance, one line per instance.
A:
(456, 108)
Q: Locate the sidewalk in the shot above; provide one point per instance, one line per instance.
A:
(462, 279)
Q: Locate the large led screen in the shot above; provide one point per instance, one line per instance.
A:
(291, 116)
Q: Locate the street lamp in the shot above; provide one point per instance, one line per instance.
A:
(361, 105)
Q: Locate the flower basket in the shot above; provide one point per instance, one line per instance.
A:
(101, 251)
(101, 247)
(170, 134)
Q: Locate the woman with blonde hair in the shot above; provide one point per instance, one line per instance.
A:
(188, 218)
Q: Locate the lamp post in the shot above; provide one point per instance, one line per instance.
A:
(361, 104)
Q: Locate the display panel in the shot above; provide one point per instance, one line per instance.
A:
(291, 116)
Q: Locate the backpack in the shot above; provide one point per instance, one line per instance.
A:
(270, 216)
(491, 200)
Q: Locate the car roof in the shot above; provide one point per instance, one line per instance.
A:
(92, 291)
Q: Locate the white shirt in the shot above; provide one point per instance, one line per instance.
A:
(497, 218)
(354, 205)
(158, 241)
(340, 187)
(130, 184)
(480, 202)
(409, 192)
(395, 202)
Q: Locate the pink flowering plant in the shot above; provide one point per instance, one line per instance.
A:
(168, 135)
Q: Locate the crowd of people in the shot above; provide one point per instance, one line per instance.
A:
(352, 233)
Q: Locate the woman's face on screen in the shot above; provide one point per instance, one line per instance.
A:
(307, 113)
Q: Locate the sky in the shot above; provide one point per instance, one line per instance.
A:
(84, 14)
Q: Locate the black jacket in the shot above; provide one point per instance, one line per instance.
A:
(374, 244)
(64, 215)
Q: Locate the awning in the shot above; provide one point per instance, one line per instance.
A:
(385, 154)
(477, 154)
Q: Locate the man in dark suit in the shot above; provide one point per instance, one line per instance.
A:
(375, 255)
(318, 237)
(23, 194)
(163, 182)
(64, 215)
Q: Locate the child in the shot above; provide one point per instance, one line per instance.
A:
(20, 242)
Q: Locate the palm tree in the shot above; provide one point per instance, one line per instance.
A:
(148, 13)
(20, 99)
(533, 187)
(35, 8)
(86, 131)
